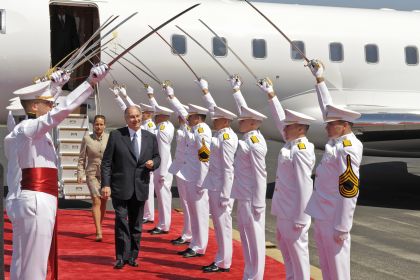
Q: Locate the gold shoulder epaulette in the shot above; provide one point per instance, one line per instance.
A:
(348, 181)
(301, 146)
(203, 152)
(150, 124)
(226, 136)
(346, 143)
(162, 127)
(200, 130)
(254, 139)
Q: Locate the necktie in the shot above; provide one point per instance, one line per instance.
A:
(135, 144)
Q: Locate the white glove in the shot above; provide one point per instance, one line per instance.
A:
(149, 90)
(97, 73)
(169, 90)
(224, 202)
(203, 84)
(317, 68)
(60, 78)
(235, 82)
(340, 236)
(298, 226)
(257, 211)
(200, 191)
(115, 91)
(122, 91)
(266, 85)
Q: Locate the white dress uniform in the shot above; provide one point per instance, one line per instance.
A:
(219, 182)
(194, 170)
(249, 189)
(334, 198)
(35, 211)
(162, 178)
(292, 191)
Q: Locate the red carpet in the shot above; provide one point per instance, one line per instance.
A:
(80, 257)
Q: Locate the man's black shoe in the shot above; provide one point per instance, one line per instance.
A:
(119, 264)
(183, 252)
(179, 241)
(146, 221)
(132, 262)
(214, 268)
(158, 231)
(190, 253)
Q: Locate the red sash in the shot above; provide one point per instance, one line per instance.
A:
(44, 179)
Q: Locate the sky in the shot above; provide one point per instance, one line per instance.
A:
(405, 5)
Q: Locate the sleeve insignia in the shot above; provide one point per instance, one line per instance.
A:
(162, 127)
(150, 124)
(200, 130)
(203, 152)
(254, 139)
(347, 143)
(348, 182)
(301, 146)
(226, 136)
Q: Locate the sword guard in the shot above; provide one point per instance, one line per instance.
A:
(166, 83)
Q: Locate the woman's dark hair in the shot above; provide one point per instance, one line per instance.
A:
(99, 117)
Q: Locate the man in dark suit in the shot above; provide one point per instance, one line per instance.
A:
(130, 155)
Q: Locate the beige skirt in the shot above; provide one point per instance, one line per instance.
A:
(94, 184)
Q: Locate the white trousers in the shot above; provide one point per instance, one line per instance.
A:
(293, 244)
(252, 231)
(198, 205)
(186, 231)
(222, 220)
(334, 258)
(33, 219)
(164, 200)
(149, 205)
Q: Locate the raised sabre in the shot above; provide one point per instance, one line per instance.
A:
(281, 32)
(201, 46)
(174, 50)
(126, 68)
(230, 49)
(150, 33)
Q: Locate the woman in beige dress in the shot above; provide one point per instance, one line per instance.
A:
(90, 158)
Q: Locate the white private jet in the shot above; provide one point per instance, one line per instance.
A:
(371, 58)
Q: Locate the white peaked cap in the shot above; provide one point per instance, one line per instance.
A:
(40, 91)
(160, 110)
(14, 98)
(223, 113)
(195, 109)
(146, 108)
(334, 113)
(16, 108)
(248, 113)
(296, 117)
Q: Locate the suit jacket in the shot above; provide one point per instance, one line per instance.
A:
(121, 171)
(64, 38)
(90, 157)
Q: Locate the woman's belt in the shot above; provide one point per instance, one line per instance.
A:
(40, 179)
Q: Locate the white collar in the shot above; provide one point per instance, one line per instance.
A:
(132, 132)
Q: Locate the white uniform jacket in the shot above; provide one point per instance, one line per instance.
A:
(14, 173)
(164, 136)
(149, 125)
(250, 176)
(332, 200)
(179, 159)
(120, 103)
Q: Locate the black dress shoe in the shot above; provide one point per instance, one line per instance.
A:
(119, 264)
(179, 241)
(190, 253)
(183, 251)
(214, 268)
(159, 231)
(150, 230)
(146, 221)
(132, 262)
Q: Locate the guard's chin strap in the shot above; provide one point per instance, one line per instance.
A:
(31, 115)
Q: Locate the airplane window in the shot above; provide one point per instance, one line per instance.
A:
(371, 53)
(2, 21)
(179, 43)
(336, 52)
(259, 48)
(295, 54)
(411, 55)
(219, 48)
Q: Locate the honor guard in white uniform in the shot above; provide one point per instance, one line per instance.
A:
(194, 170)
(333, 200)
(149, 125)
(117, 98)
(162, 178)
(35, 208)
(175, 169)
(293, 185)
(250, 185)
(219, 180)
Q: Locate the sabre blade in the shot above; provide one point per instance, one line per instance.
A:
(150, 33)
(126, 68)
